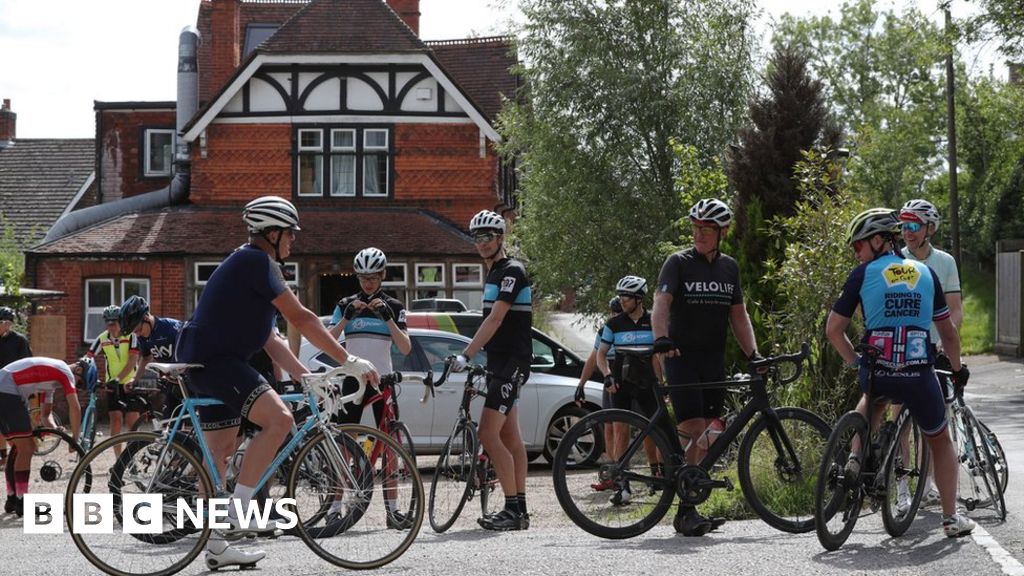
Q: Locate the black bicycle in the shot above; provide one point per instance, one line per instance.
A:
(463, 469)
(887, 466)
(777, 461)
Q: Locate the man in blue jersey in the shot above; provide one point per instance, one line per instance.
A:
(505, 334)
(234, 319)
(157, 338)
(899, 299)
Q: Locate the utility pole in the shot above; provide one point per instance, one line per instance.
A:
(954, 196)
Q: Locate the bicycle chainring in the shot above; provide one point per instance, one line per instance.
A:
(692, 485)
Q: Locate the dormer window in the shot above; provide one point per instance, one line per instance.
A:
(158, 152)
(344, 162)
(255, 34)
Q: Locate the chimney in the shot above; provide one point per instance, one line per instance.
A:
(409, 11)
(8, 122)
(225, 46)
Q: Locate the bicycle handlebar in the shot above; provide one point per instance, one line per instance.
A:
(449, 362)
(754, 367)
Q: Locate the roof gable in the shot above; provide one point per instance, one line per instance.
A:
(482, 67)
(39, 178)
(343, 26)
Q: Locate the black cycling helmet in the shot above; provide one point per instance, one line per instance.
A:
(133, 311)
(6, 313)
(615, 305)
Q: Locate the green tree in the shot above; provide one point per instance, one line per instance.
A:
(12, 265)
(1005, 20)
(611, 85)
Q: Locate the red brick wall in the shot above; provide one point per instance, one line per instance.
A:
(243, 162)
(121, 149)
(166, 285)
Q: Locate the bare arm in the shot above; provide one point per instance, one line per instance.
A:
(956, 310)
(487, 328)
(835, 330)
(588, 368)
(133, 361)
(742, 329)
(950, 342)
(282, 357)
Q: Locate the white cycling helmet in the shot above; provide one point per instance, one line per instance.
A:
(631, 286)
(270, 212)
(370, 261)
(712, 210)
(921, 211)
(487, 220)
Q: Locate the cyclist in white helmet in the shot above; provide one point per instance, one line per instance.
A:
(697, 300)
(233, 319)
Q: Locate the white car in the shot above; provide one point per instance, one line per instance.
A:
(546, 403)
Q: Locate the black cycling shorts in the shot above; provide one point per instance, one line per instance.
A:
(122, 400)
(233, 382)
(691, 368)
(505, 377)
(640, 400)
(15, 421)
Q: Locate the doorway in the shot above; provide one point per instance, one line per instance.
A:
(334, 287)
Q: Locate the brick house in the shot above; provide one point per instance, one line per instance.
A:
(379, 138)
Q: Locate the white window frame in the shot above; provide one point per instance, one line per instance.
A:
(195, 269)
(397, 283)
(319, 153)
(342, 151)
(139, 280)
(439, 283)
(375, 151)
(148, 170)
(92, 310)
(455, 276)
(198, 283)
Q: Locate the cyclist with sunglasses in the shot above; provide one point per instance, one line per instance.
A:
(117, 354)
(505, 334)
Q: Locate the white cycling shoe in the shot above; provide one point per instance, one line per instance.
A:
(234, 557)
(903, 499)
(239, 529)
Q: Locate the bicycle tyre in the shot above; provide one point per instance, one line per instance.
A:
(454, 477)
(593, 511)
(913, 467)
(49, 475)
(316, 471)
(372, 542)
(835, 494)
(782, 492)
(46, 445)
(1002, 467)
(492, 497)
(137, 556)
(986, 464)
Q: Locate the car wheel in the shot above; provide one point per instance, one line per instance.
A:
(588, 448)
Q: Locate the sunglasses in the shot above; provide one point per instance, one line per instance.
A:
(484, 238)
(911, 226)
(704, 229)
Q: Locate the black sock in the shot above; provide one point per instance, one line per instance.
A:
(512, 504)
(521, 497)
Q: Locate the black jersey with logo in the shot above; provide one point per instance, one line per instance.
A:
(702, 294)
(507, 281)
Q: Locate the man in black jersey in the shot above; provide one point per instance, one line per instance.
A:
(13, 346)
(697, 299)
(505, 335)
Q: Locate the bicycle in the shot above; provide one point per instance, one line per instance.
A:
(463, 470)
(327, 476)
(983, 468)
(51, 471)
(776, 463)
(894, 454)
(44, 444)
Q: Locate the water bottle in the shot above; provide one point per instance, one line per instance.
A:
(235, 464)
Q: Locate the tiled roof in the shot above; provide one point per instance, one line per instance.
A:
(481, 67)
(343, 26)
(39, 177)
(217, 231)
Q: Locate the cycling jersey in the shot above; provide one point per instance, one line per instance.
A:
(161, 340)
(366, 335)
(507, 281)
(117, 352)
(899, 299)
(703, 294)
(944, 266)
(610, 355)
(13, 346)
(621, 330)
(37, 375)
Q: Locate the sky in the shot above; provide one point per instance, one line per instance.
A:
(58, 56)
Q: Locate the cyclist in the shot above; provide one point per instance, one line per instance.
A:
(233, 320)
(157, 338)
(505, 334)
(19, 380)
(919, 221)
(615, 307)
(13, 346)
(371, 320)
(633, 327)
(120, 356)
(698, 297)
(899, 298)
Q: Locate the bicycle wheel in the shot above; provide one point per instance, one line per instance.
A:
(143, 467)
(640, 499)
(453, 477)
(380, 536)
(837, 498)
(906, 467)
(981, 467)
(1002, 468)
(492, 497)
(51, 471)
(779, 484)
(339, 509)
(46, 444)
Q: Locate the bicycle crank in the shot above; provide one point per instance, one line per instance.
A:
(694, 485)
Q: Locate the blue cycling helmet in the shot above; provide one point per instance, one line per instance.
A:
(89, 373)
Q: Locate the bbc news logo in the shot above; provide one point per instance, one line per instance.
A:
(147, 514)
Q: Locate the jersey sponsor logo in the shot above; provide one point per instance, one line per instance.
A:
(508, 283)
(899, 273)
(722, 287)
(161, 352)
(628, 337)
(902, 304)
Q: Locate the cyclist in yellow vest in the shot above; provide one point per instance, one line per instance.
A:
(120, 355)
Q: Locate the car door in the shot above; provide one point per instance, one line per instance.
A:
(418, 417)
(436, 347)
